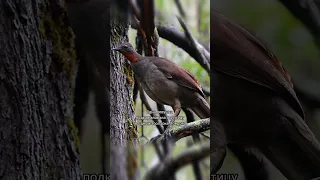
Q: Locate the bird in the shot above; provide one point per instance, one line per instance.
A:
(166, 83)
(255, 101)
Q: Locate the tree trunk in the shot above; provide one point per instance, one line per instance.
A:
(124, 163)
(37, 69)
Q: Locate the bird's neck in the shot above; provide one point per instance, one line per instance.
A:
(133, 57)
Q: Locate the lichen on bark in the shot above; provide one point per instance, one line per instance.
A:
(74, 133)
(54, 26)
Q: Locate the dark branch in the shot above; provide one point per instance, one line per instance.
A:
(185, 130)
(196, 139)
(179, 39)
(201, 51)
(147, 105)
(180, 8)
(166, 168)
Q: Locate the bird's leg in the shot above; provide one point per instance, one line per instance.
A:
(176, 108)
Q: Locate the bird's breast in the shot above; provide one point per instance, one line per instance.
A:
(155, 84)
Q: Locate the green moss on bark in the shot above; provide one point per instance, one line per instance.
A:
(74, 133)
(127, 70)
(132, 136)
(54, 26)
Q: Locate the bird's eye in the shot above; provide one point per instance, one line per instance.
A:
(125, 46)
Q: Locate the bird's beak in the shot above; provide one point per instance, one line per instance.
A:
(116, 49)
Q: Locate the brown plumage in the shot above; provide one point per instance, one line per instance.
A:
(256, 103)
(166, 83)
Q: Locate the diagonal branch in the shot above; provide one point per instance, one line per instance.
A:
(201, 52)
(146, 103)
(180, 8)
(166, 168)
(196, 139)
(185, 130)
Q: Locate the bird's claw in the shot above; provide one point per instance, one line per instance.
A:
(167, 133)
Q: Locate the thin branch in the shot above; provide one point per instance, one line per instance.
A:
(158, 151)
(141, 31)
(147, 105)
(200, 50)
(147, 24)
(135, 9)
(180, 8)
(166, 168)
(204, 135)
(196, 139)
(185, 130)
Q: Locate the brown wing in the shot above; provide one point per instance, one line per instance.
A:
(177, 74)
(238, 53)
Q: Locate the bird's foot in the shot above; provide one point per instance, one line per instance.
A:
(165, 136)
(167, 133)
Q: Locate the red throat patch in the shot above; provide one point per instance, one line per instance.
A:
(131, 57)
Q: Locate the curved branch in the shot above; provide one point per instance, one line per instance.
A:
(179, 39)
(165, 169)
(184, 131)
(200, 51)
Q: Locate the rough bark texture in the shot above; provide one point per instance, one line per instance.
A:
(37, 67)
(121, 104)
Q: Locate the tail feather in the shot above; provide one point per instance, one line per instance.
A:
(296, 152)
(202, 109)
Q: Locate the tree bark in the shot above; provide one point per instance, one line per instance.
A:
(122, 136)
(37, 69)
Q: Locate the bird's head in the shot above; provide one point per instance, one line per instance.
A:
(127, 50)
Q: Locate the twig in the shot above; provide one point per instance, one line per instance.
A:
(204, 135)
(141, 31)
(145, 102)
(165, 169)
(204, 61)
(196, 139)
(158, 151)
(180, 9)
(185, 130)
(135, 9)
